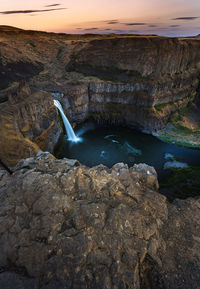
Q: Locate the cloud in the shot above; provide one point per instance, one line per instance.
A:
(110, 20)
(53, 5)
(88, 29)
(113, 22)
(28, 11)
(152, 25)
(134, 24)
(78, 28)
(108, 29)
(174, 25)
(185, 18)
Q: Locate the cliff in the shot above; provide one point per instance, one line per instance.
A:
(148, 76)
(28, 124)
(121, 79)
(143, 79)
(133, 104)
(148, 55)
(64, 225)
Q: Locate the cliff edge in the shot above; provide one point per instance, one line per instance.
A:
(64, 225)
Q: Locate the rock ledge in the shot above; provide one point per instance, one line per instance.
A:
(63, 225)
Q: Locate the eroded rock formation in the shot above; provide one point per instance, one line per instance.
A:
(28, 123)
(148, 76)
(64, 225)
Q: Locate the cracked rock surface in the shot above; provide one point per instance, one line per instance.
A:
(64, 225)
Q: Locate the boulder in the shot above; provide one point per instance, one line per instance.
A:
(64, 225)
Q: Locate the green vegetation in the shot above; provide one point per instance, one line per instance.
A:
(176, 132)
(182, 183)
(161, 106)
(179, 129)
(116, 114)
(179, 113)
(94, 115)
(73, 75)
(179, 140)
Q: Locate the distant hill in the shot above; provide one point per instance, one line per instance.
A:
(9, 28)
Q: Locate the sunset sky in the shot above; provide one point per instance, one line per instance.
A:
(163, 17)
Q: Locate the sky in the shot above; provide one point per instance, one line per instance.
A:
(162, 17)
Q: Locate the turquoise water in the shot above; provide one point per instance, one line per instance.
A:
(110, 145)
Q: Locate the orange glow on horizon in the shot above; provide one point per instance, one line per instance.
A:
(130, 16)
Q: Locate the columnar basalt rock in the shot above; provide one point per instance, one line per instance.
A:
(149, 55)
(62, 224)
(134, 80)
(65, 225)
(131, 104)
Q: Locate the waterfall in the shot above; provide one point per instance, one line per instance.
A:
(70, 132)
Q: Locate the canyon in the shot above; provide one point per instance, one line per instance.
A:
(132, 80)
(64, 225)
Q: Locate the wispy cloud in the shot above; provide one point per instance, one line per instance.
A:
(152, 25)
(53, 5)
(185, 18)
(110, 20)
(89, 29)
(29, 11)
(113, 22)
(174, 26)
(135, 24)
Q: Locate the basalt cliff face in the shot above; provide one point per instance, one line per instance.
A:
(148, 55)
(148, 77)
(64, 225)
(28, 123)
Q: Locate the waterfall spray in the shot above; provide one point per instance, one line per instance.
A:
(69, 130)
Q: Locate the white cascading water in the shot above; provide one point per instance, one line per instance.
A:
(70, 132)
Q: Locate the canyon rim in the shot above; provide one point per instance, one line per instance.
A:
(66, 225)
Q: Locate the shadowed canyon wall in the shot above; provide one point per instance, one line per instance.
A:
(28, 124)
(62, 224)
(117, 79)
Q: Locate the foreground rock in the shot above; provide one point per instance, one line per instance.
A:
(64, 225)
